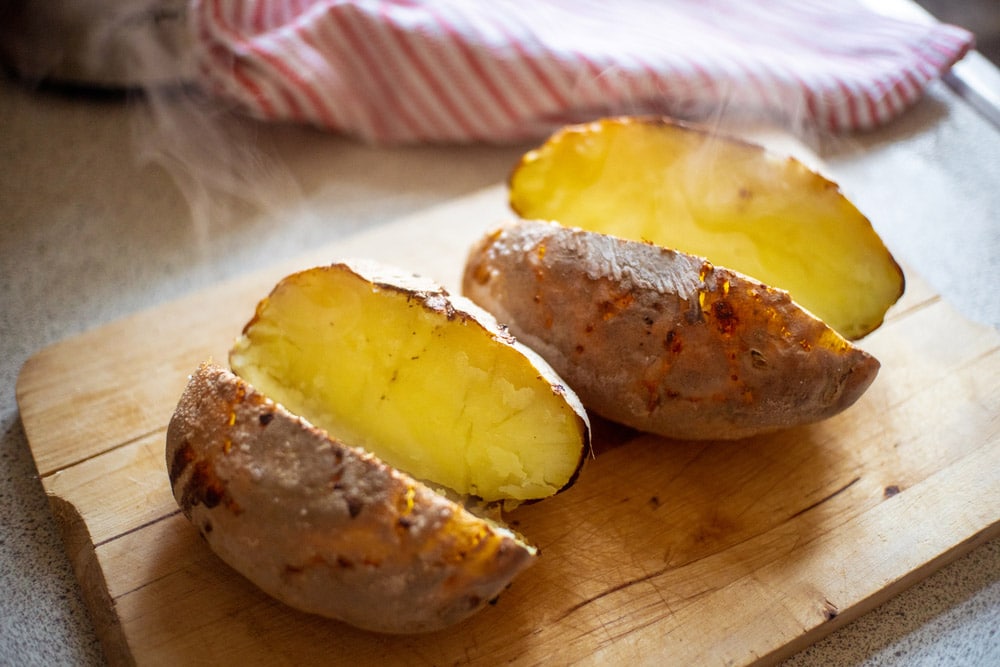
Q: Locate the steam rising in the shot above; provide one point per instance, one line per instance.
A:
(218, 157)
(214, 155)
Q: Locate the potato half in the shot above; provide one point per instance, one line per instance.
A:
(770, 217)
(320, 469)
(325, 527)
(664, 341)
(428, 382)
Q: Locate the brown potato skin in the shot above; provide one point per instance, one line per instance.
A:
(660, 340)
(324, 527)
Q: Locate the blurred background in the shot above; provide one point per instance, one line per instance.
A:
(982, 17)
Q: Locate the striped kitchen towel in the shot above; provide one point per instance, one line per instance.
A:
(401, 71)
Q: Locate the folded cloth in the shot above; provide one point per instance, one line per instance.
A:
(508, 70)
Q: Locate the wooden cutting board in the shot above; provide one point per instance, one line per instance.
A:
(663, 552)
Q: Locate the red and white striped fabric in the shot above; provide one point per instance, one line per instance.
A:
(507, 70)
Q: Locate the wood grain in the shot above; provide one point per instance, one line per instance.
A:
(709, 553)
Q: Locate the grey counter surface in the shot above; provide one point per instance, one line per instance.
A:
(102, 214)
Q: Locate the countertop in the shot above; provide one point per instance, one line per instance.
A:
(104, 214)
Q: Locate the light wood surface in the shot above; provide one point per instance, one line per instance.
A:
(663, 552)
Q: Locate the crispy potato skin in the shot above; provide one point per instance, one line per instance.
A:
(324, 527)
(664, 341)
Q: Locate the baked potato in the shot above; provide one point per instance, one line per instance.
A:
(681, 187)
(324, 527)
(428, 382)
(364, 409)
(664, 341)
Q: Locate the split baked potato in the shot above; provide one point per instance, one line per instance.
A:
(661, 340)
(741, 207)
(686, 283)
(364, 407)
(428, 382)
(325, 527)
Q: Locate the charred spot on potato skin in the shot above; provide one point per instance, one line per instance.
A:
(212, 495)
(725, 317)
(181, 460)
(673, 342)
(354, 507)
(205, 488)
(611, 308)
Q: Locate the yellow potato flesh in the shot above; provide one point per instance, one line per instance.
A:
(740, 207)
(430, 394)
